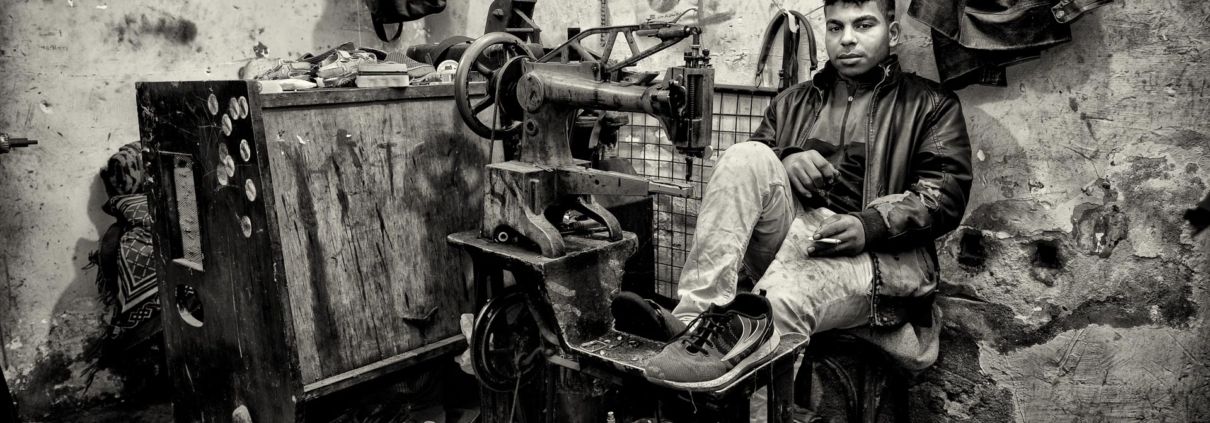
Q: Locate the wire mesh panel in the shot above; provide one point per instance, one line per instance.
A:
(737, 112)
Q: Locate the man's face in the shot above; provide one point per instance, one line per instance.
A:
(858, 36)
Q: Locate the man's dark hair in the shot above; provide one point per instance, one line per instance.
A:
(888, 6)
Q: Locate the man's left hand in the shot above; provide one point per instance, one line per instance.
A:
(844, 227)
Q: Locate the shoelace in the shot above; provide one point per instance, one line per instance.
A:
(701, 336)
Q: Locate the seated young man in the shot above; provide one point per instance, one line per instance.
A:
(834, 204)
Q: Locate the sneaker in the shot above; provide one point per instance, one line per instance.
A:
(641, 317)
(720, 345)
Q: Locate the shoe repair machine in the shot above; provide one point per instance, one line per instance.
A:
(540, 222)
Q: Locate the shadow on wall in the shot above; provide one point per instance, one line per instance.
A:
(81, 367)
(58, 383)
(10, 279)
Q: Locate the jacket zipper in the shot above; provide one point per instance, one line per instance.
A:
(869, 144)
(844, 121)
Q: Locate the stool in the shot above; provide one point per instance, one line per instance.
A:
(587, 361)
(844, 378)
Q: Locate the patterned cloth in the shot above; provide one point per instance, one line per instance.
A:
(123, 172)
(126, 259)
(133, 291)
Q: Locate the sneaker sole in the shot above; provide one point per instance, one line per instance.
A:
(757, 358)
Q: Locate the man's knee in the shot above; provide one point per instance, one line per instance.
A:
(749, 152)
(786, 311)
(779, 301)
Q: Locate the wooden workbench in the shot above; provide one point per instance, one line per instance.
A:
(311, 226)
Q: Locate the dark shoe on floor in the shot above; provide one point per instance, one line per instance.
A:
(720, 345)
(637, 316)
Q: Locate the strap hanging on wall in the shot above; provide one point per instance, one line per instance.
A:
(385, 12)
(796, 24)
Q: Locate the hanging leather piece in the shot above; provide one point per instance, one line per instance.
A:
(788, 75)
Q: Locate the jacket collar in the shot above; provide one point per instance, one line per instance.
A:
(827, 77)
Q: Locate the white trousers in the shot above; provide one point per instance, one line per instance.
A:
(749, 217)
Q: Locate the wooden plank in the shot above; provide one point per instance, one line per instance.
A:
(238, 350)
(331, 96)
(451, 345)
(365, 195)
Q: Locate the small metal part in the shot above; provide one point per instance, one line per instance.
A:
(245, 225)
(245, 150)
(233, 108)
(423, 319)
(243, 107)
(594, 346)
(250, 190)
(241, 415)
(7, 144)
(212, 104)
(671, 188)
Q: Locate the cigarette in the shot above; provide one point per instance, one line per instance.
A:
(828, 240)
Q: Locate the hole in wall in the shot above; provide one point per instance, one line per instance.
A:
(1047, 254)
(971, 248)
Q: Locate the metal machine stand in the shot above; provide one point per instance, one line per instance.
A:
(548, 351)
(544, 348)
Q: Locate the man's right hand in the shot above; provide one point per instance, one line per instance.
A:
(809, 172)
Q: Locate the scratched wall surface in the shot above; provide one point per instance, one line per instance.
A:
(1076, 291)
(69, 68)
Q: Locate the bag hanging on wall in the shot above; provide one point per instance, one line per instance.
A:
(384, 12)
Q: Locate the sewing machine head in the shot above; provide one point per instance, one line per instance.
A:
(539, 99)
(531, 92)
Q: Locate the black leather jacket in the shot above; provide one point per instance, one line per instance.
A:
(918, 167)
